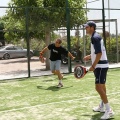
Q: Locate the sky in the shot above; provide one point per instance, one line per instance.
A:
(112, 14)
(3, 3)
(92, 14)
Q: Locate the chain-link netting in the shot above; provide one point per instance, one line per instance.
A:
(34, 28)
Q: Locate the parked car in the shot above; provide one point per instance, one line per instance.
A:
(7, 52)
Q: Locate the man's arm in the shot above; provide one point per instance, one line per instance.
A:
(41, 54)
(44, 50)
(71, 56)
(86, 58)
(98, 56)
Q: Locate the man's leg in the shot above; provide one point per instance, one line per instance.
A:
(60, 77)
(104, 89)
(56, 71)
(100, 77)
(100, 88)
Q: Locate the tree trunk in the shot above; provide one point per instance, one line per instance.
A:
(47, 42)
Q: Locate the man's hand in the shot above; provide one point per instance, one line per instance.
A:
(92, 68)
(86, 58)
(41, 57)
(41, 53)
(73, 58)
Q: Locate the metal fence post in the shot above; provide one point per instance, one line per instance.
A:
(103, 17)
(27, 40)
(68, 34)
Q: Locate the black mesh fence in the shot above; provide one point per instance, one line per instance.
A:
(34, 28)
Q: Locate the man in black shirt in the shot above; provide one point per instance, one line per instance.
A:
(56, 50)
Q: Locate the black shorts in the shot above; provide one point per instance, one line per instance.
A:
(100, 75)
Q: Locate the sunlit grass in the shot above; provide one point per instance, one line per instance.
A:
(39, 99)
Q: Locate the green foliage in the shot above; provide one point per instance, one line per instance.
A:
(54, 3)
(1, 24)
(112, 57)
(2, 31)
(41, 14)
(39, 18)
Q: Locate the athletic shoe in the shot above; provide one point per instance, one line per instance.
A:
(60, 85)
(99, 109)
(107, 115)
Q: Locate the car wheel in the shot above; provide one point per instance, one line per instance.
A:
(64, 60)
(6, 56)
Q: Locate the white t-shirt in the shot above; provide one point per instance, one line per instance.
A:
(97, 46)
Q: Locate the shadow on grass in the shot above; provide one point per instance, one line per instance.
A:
(52, 88)
(47, 80)
(96, 116)
(53, 79)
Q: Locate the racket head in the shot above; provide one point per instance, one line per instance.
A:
(79, 71)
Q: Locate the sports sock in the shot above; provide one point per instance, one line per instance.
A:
(60, 81)
(107, 106)
(101, 104)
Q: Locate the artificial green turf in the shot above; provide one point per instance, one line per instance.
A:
(39, 99)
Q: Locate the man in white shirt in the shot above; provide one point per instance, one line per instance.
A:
(100, 67)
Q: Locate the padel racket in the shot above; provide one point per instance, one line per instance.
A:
(41, 58)
(80, 71)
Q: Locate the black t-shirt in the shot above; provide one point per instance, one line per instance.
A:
(56, 52)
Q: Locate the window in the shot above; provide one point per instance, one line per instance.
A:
(10, 48)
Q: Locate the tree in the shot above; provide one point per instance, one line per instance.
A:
(45, 16)
(2, 39)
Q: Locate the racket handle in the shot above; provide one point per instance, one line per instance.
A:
(87, 70)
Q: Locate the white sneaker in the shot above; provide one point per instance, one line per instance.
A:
(60, 85)
(99, 109)
(107, 115)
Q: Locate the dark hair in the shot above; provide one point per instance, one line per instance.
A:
(58, 39)
(91, 24)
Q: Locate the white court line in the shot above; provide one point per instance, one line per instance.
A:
(12, 110)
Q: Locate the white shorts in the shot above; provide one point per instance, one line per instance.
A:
(55, 65)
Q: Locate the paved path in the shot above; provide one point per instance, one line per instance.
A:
(17, 68)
